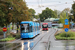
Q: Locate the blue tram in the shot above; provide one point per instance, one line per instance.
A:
(29, 29)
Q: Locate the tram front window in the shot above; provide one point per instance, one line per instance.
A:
(24, 28)
(44, 26)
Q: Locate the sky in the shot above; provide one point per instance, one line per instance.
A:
(39, 5)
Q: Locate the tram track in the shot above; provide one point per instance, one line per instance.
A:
(50, 30)
(40, 39)
(9, 44)
(48, 45)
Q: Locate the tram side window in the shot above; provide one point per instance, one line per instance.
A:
(30, 28)
(22, 28)
(35, 28)
(38, 27)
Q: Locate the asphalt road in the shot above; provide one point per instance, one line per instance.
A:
(40, 42)
(61, 44)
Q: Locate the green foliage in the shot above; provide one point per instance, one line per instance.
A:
(69, 34)
(31, 13)
(7, 39)
(62, 36)
(17, 14)
(36, 16)
(63, 17)
(47, 13)
(1, 29)
(73, 7)
(57, 12)
(18, 36)
(1, 32)
(9, 36)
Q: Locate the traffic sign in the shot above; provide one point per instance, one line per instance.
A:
(4, 29)
(72, 24)
(66, 23)
(66, 20)
(66, 26)
(66, 29)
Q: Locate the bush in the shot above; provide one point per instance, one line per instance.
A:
(10, 36)
(1, 33)
(18, 36)
(7, 39)
(62, 36)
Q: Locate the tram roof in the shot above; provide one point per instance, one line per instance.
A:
(26, 22)
(45, 23)
(31, 22)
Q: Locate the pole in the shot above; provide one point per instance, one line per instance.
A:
(4, 34)
(17, 27)
(66, 18)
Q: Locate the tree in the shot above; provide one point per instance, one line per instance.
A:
(4, 15)
(73, 7)
(57, 12)
(67, 10)
(36, 16)
(20, 11)
(31, 13)
(63, 16)
(47, 13)
(17, 14)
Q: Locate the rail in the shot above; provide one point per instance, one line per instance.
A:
(48, 45)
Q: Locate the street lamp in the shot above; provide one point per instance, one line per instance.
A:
(9, 8)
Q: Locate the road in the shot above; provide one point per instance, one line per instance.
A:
(61, 44)
(40, 42)
(44, 41)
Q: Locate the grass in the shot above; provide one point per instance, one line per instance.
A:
(62, 36)
(1, 30)
(7, 39)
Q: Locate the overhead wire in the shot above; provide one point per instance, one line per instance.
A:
(54, 5)
(40, 6)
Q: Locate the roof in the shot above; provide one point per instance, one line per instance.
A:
(45, 23)
(55, 24)
(51, 19)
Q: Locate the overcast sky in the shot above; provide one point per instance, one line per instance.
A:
(39, 5)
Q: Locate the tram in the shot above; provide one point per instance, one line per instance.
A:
(29, 29)
(45, 26)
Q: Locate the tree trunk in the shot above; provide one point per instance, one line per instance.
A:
(74, 18)
(12, 25)
(6, 25)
